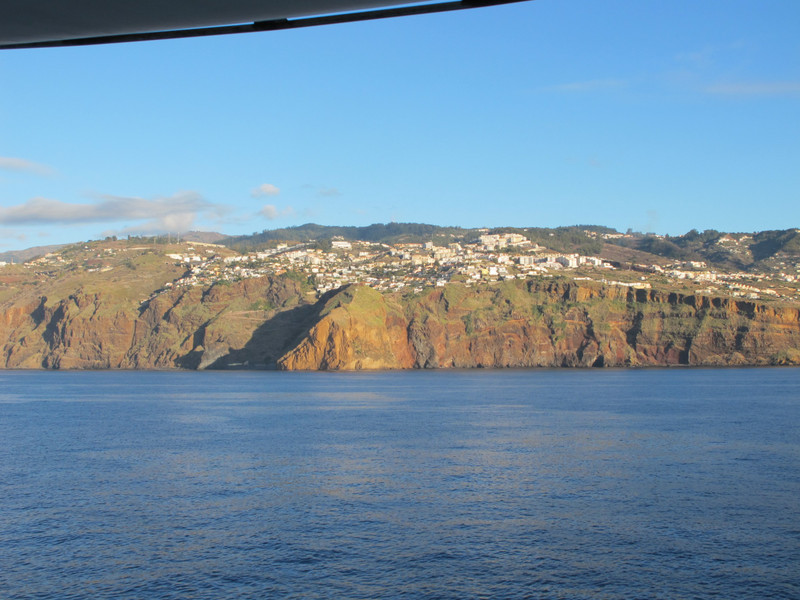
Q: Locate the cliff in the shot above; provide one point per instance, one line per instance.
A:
(248, 323)
(272, 323)
(544, 325)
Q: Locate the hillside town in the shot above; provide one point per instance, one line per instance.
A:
(411, 267)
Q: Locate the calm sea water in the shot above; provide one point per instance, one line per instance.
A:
(481, 484)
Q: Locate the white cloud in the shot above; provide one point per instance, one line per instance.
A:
(177, 223)
(173, 213)
(8, 163)
(271, 212)
(265, 189)
(755, 88)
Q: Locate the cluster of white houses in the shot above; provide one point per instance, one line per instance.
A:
(490, 258)
(493, 257)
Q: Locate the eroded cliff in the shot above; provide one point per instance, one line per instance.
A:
(248, 323)
(272, 323)
(540, 324)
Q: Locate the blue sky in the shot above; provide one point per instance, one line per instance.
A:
(652, 115)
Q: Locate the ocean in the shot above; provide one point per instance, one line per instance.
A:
(609, 484)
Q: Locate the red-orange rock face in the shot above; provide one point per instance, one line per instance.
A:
(270, 323)
(553, 325)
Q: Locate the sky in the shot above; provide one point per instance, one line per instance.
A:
(649, 115)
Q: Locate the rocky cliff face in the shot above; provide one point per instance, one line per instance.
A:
(545, 325)
(270, 323)
(356, 328)
(247, 324)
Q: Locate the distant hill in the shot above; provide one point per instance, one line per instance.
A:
(207, 237)
(759, 250)
(379, 232)
(745, 251)
(755, 251)
(19, 256)
(568, 239)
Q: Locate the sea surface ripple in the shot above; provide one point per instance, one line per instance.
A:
(606, 484)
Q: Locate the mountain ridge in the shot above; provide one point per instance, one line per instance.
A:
(725, 249)
(720, 249)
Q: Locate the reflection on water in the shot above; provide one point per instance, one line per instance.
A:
(505, 484)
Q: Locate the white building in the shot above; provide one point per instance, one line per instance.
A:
(569, 260)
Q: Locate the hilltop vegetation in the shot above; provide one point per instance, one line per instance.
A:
(566, 239)
(750, 251)
(388, 233)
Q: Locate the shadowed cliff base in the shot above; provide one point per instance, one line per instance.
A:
(273, 322)
(269, 341)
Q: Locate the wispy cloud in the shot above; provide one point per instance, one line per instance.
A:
(177, 223)
(265, 189)
(593, 85)
(709, 71)
(755, 88)
(173, 213)
(708, 56)
(328, 192)
(21, 165)
(591, 161)
(10, 234)
(272, 212)
(322, 191)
